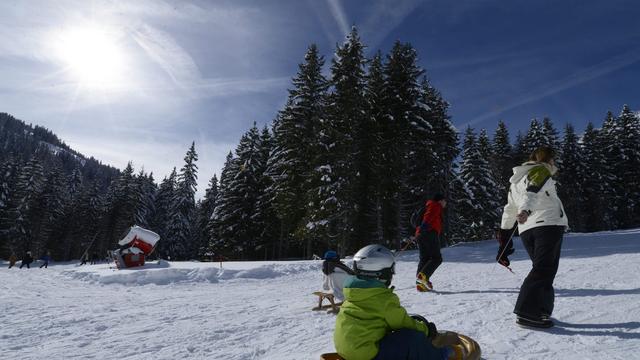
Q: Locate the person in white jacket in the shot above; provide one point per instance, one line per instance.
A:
(534, 205)
(335, 273)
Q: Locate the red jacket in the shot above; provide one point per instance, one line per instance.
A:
(432, 217)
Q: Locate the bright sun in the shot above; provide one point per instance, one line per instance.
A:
(92, 55)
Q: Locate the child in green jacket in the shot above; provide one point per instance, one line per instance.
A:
(373, 325)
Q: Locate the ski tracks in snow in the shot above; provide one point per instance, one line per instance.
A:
(262, 310)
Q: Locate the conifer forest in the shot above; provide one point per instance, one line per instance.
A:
(344, 163)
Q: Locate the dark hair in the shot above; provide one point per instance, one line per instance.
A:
(437, 197)
(542, 154)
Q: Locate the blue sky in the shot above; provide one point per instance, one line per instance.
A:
(139, 80)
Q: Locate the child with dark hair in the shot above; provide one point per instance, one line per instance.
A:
(335, 273)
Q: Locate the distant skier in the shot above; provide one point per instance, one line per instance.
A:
(45, 260)
(372, 324)
(533, 202)
(427, 235)
(26, 260)
(94, 258)
(12, 260)
(335, 273)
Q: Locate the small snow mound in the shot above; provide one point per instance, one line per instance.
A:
(165, 273)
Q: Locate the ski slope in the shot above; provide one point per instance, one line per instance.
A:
(261, 310)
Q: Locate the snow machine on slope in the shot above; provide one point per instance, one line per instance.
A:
(137, 244)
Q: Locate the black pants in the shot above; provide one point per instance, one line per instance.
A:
(430, 256)
(46, 265)
(536, 293)
(23, 264)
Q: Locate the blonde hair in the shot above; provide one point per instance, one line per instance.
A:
(542, 154)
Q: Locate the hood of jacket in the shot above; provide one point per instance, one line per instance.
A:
(520, 171)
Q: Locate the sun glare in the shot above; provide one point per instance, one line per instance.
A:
(92, 56)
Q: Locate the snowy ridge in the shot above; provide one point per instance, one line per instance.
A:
(166, 273)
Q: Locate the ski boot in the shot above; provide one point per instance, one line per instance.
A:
(422, 283)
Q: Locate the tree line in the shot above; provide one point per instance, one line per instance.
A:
(344, 163)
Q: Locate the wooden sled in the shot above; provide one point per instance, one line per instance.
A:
(333, 307)
(470, 347)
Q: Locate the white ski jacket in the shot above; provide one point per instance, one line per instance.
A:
(532, 189)
(334, 282)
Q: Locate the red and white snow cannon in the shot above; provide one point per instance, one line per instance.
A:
(137, 244)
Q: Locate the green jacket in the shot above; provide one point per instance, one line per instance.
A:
(370, 311)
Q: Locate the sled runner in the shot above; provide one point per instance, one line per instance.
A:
(470, 348)
(335, 307)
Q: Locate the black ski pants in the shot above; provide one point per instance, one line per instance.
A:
(430, 256)
(536, 293)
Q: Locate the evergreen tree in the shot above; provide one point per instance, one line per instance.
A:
(502, 160)
(264, 216)
(121, 204)
(224, 223)
(25, 206)
(146, 189)
(570, 179)
(628, 168)
(296, 134)
(609, 146)
(376, 112)
(205, 210)
(594, 183)
(483, 210)
(164, 206)
(340, 170)
(551, 137)
(536, 137)
(520, 154)
(402, 96)
(182, 213)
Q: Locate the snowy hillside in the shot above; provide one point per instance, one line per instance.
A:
(261, 310)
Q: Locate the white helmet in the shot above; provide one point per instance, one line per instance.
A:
(374, 261)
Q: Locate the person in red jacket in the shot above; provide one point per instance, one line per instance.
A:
(427, 235)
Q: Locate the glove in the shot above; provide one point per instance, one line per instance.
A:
(433, 331)
(506, 247)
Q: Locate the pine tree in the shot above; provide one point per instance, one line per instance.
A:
(489, 191)
(295, 135)
(609, 145)
(536, 137)
(205, 210)
(551, 137)
(120, 206)
(182, 212)
(628, 168)
(570, 179)
(502, 159)
(403, 91)
(594, 182)
(376, 112)
(29, 187)
(163, 206)
(520, 154)
(340, 170)
(483, 210)
(224, 223)
(145, 193)
(264, 216)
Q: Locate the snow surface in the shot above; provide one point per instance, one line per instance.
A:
(261, 310)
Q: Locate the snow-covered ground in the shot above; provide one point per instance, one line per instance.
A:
(261, 310)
